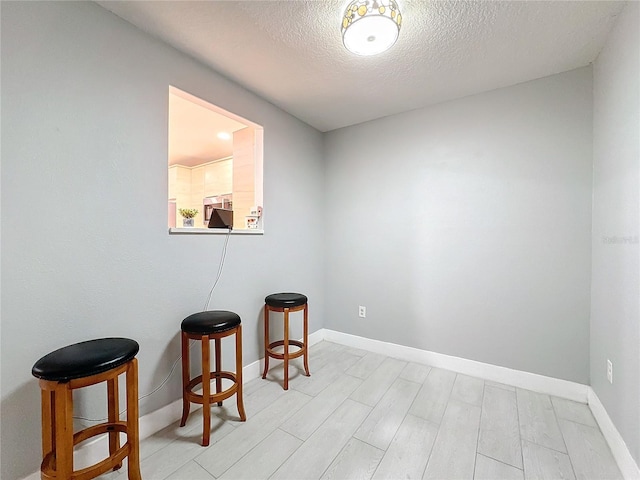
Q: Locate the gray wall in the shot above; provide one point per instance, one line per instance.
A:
(85, 248)
(465, 228)
(615, 315)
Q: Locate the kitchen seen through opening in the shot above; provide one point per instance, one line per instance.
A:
(215, 161)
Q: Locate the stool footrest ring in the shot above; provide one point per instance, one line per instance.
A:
(280, 343)
(47, 468)
(83, 435)
(214, 397)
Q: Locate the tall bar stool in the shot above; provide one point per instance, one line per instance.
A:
(286, 303)
(76, 366)
(205, 326)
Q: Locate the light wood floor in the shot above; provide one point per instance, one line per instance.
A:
(366, 416)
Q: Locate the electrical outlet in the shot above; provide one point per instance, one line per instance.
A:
(362, 311)
(609, 371)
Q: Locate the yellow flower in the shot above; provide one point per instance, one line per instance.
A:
(188, 212)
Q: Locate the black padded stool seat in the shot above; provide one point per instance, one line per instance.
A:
(85, 358)
(81, 365)
(214, 321)
(285, 300)
(206, 326)
(286, 303)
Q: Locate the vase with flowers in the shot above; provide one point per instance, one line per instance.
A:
(187, 216)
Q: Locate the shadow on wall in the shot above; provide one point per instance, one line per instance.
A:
(259, 325)
(21, 440)
(172, 389)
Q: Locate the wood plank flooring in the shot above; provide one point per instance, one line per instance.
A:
(365, 416)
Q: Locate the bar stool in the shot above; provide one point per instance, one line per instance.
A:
(76, 366)
(286, 303)
(205, 326)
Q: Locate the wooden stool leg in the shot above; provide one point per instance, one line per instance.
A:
(47, 406)
(206, 390)
(266, 341)
(133, 434)
(63, 431)
(113, 410)
(239, 399)
(305, 340)
(185, 379)
(218, 368)
(286, 349)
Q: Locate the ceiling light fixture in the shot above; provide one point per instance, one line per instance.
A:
(224, 136)
(370, 27)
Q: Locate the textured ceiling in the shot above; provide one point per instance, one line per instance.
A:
(291, 52)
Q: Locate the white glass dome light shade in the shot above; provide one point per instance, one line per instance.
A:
(370, 35)
(370, 27)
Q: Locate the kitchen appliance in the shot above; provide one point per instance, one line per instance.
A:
(221, 218)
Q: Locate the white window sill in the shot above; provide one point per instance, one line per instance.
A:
(213, 231)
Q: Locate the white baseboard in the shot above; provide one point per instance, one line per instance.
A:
(152, 422)
(626, 463)
(530, 381)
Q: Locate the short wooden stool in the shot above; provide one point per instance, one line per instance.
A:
(205, 326)
(286, 303)
(77, 366)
